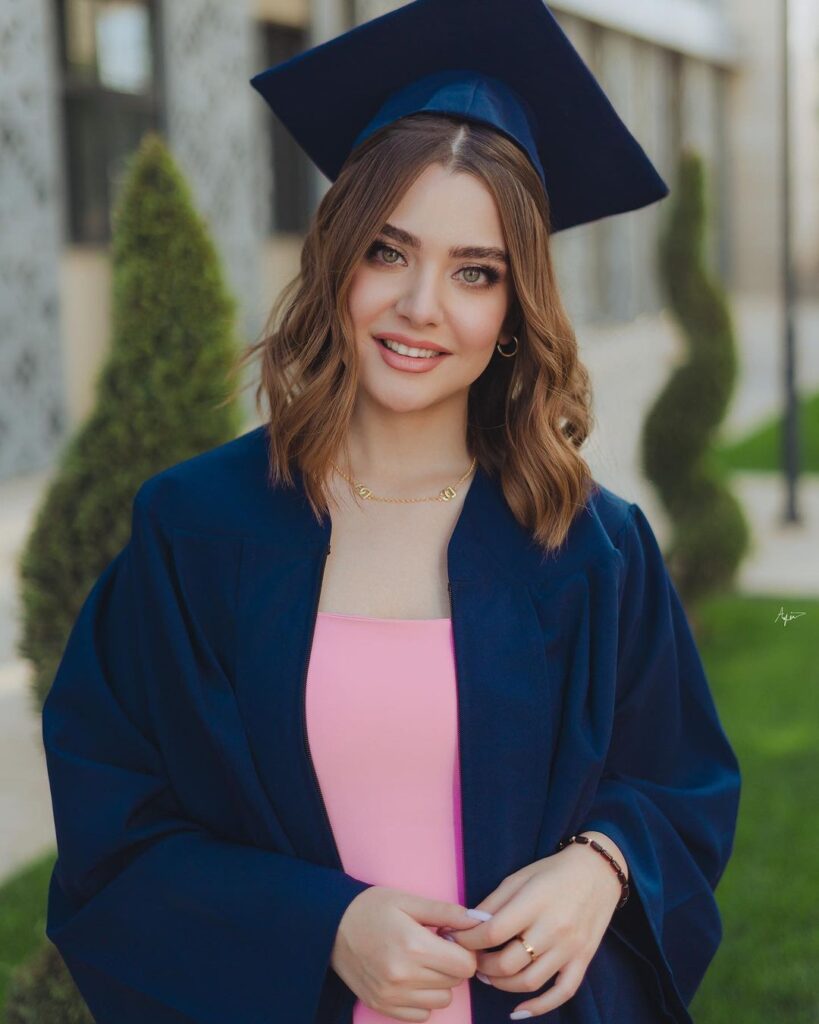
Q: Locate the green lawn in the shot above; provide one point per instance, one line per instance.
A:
(22, 916)
(761, 449)
(765, 680)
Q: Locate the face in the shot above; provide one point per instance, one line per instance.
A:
(413, 283)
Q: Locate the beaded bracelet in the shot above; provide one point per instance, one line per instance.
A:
(595, 845)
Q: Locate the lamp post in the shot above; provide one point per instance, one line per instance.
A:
(790, 432)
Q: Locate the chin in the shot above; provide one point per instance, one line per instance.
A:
(400, 403)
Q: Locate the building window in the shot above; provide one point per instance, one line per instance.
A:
(292, 168)
(108, 60)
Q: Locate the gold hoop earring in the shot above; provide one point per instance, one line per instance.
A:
(508, 354)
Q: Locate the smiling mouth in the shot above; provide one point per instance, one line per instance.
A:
(413, 353)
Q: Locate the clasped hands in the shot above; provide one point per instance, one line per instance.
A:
(562, 906)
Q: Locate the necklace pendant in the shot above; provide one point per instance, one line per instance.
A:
(363, 491)
(447, 494)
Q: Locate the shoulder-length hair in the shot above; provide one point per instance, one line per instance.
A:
(528, 416)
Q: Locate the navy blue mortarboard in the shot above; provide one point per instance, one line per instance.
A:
(505, 63)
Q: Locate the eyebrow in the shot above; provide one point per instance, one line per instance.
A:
(470, 252)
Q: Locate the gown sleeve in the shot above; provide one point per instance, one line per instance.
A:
(669, 791)
(157, 918)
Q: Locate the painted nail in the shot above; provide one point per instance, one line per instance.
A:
(480, 915)
(520, 1015)
(483, 978)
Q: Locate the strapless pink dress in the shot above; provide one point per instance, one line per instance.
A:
(382, 726)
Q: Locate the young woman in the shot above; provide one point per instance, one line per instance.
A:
(395, 654)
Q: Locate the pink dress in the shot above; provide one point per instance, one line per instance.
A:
(382, 726)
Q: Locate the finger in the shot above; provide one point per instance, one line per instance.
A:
(429, 999)
(447, 933)
(499, 897)
(420, 1011)
(405, 1013)
(568, 982)
(428, 977)
(451, 963)
(511, 919)
(531, 977)
(514, 957)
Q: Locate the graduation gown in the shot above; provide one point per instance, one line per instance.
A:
(198, 879)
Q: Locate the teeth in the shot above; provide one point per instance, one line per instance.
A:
(405, 350)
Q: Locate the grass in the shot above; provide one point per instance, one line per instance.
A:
(22, 916)
(765, 680)
(761, 449)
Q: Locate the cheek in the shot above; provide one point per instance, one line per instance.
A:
(367, 297)
(479, 328)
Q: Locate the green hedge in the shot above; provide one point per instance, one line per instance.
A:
(709, 532)
(162, 396)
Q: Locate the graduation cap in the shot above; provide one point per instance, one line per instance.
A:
(505, 63)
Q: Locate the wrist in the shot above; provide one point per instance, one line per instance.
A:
(604, 849)
(612, 848)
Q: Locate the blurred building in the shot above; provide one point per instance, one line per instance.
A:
(83, 79)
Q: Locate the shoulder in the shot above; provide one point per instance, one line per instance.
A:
(636, 551)
(610, 513)
(606, 533)
(224, 489)
(612, 541)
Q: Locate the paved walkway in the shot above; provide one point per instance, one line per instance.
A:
(628, 366)
(26, 824)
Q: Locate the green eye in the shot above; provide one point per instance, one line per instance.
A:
(379, 250)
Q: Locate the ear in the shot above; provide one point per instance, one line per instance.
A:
(512, 323)
(510, 329)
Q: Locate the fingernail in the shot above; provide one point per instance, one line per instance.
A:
(483, 978)
(448, 937)
(520, 1015)
(480, 915)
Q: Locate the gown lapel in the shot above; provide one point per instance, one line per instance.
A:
(505, 727)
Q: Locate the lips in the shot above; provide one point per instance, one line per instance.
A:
(434, 356)
(410, 343)
(409, 364)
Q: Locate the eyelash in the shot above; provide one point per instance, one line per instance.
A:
(492, 275)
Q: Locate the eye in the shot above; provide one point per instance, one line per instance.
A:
(379, 250)
(491, 276)
(478, 270)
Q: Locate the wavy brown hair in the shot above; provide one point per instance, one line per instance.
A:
(527, 417)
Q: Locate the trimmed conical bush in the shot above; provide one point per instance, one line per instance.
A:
(710, 531)
(41, 991)
(161, 396)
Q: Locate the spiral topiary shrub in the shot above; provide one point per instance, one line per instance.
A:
(710, 532)
(162, 396)
(41, 991)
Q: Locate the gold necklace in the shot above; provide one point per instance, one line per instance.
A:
(446, 494)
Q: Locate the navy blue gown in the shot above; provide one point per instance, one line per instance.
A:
(197, 879)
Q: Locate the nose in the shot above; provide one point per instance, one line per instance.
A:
(419, 301)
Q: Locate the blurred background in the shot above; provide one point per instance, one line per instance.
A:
(717, 283)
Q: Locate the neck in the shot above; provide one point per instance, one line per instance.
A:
(404, 451)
